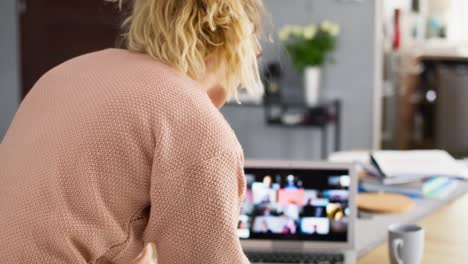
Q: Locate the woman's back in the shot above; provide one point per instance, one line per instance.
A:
(97, 141)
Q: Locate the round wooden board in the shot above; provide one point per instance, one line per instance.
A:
(388, 203)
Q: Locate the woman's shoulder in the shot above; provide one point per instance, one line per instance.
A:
(195, 124)
(120, 67)
(140, 87)
(131, 80)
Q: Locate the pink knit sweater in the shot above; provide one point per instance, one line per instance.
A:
(111, 150)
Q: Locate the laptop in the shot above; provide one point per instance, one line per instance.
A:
(299, 212)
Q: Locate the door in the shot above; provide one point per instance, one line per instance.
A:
(53, 31)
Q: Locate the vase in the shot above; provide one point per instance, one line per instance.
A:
(312, 85)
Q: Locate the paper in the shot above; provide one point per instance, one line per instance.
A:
(415, 163)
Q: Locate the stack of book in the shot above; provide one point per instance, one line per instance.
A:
(433, 187)
(418, 174)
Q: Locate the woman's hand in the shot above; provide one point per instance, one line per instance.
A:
(147, 256)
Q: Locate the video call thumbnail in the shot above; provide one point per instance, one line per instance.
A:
(294, 205)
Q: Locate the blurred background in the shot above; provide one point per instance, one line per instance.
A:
(374, 74)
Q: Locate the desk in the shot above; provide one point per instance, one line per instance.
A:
(446, 237)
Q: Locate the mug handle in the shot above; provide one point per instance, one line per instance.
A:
(396, 245)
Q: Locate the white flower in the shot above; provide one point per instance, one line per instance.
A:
(284, 33)
(310, 31)
(297, 31)
(325, 25)
(335, 30)
(330, 27)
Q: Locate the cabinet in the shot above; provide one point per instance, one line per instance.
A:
(53, 31)
(433, 108)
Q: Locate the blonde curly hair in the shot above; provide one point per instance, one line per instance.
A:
(185, 33)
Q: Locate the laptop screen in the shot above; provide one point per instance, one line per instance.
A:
(296, 204)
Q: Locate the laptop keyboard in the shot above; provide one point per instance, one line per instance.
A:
(283, 257)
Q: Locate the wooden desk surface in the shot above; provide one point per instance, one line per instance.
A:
(446, 237)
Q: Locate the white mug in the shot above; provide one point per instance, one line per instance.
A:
(405, 244)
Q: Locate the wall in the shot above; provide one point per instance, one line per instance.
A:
(9, 75)
(354, 77)
(457, 29)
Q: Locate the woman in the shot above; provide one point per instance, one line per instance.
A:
(118, 148)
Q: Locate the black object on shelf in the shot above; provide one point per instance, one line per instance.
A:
(299, 115)
(415, 6)
(272, 77)
(317, 116)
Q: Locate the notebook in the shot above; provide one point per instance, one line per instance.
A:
(407, 166)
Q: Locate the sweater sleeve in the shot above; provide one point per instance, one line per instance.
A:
(195, 211)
